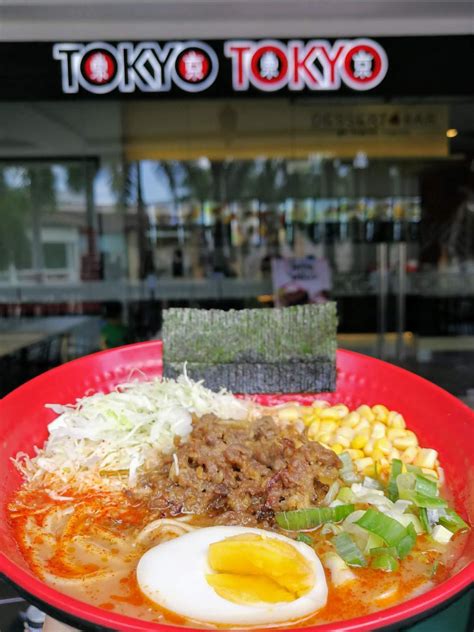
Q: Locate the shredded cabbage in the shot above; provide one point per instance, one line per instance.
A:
(118, 432)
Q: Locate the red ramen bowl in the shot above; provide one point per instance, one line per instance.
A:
(439, 419)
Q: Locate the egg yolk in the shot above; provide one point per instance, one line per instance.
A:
(252, 568)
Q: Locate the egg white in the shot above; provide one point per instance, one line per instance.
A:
(173, 575)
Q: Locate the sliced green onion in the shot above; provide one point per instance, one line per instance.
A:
(405, 483)
(409, 488)
(346, 495)
(395, 471)
(426, 486)
(373, 542)
(434, 569)
(421, 500)
(423, 513)
(348, 550)
(410, 518)
(302, 519)
(302, 537)
(453, 521)
(385, 559)
(390, 530)
(371, 483)
(406, 544)
(391, 550)
(416, 469)
(347, 472)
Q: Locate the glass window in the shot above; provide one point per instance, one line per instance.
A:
(189, 202)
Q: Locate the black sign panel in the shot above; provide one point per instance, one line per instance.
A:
(387, 67)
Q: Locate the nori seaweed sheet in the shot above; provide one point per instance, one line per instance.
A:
(290, 349)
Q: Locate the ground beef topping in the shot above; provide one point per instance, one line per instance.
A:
(242, 472)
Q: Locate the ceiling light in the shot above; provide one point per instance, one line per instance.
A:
(451, 132)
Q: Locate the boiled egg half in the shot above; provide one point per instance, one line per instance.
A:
(234, 576)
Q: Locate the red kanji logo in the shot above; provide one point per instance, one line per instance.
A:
(99, 67)
(193, 66)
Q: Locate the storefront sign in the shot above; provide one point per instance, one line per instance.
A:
(380, 121)
(270, 65)
(390, 66)
(267, 65)
(100, 68)
(281, 127)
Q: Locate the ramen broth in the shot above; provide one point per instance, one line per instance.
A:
(88, 547)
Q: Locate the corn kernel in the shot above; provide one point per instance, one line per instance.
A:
(361, 464)
(313, 430)
(430, 472)
(441, 475)
(371, 470)
(394, 454)
(369, 447)
(341, 410)
(377, 454)
(355, 454)
(426, 457)
(328, 413)
(359, 440)
(289, 413)
(328, 425)
(401, 443)
(381, 412)
(384, 464)
(410, 433)
(394, 433)
(342, 440)
(337, 448)
(395, 420)
(383, 445)
(363, 424)
(325, 437)
(351, 420)
(366, 411)
(320, 403)
(408, 455)
(346, 432)
(378, 430)
(309, 420)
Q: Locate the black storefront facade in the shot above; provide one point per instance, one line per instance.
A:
(178, 169)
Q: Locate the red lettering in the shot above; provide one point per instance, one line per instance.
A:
(237, 52)
(303, 71)
(317, 64)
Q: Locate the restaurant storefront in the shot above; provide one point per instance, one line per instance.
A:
(175, 171)
(235, 154)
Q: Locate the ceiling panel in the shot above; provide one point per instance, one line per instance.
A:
(163, 19)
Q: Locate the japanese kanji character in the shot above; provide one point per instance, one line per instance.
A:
(99, 68)
(269, 65)
(363, 64)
